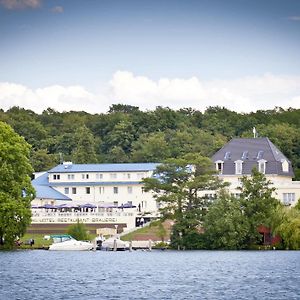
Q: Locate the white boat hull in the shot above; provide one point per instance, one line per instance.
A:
(71, 245)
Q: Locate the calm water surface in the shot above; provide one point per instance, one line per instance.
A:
(150, 275)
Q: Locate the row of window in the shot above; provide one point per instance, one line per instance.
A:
(101, 190)
(245, 155)
(239, 167)
(99, 176)
(261, 166)
(288, 198)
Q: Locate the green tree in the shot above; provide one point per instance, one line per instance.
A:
(150, 148)
(41, 160)
(85, 149)
(288, 227)
(258, 204)
(16, 191)
(122, 136)
(225, 226)
(78, 231)
(178, 187)
(117, 155)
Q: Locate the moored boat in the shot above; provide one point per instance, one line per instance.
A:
(65, 242)
(114, 244)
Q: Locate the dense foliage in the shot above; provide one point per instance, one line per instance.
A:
(232, 223)
(179, 187)
(127, 134)
(16, 191)
(78, 231)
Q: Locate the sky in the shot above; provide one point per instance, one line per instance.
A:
(89, 54)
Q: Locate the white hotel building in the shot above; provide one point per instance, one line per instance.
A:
(112, 195)
(107, 194)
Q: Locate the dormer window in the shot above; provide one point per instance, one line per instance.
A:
(227, 156)
(260, 154)
(245, 155)
(238, 167)
(262, 166)
(219, 166)
(285, 165)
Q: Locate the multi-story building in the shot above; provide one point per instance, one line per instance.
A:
(105, 194)
(240, 155)
(108, 195)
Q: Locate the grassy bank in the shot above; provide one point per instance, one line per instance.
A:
(156, 231)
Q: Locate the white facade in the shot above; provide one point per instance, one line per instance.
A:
(287, 190)
(115, 190)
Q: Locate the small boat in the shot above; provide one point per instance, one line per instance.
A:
(65, 242)
(114, 244)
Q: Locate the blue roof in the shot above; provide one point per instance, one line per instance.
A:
(44, 191)
(94, 183)
(124, 167)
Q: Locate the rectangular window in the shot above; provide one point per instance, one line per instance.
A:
(219, 167)
(70, 176)
(113, 176)
(116, 190)
(128, 176)
(56, 177)
(288, 198)
(262, 167)
(140, 175)
(66, 190)
(87, 190)
(99, 176)
(238, 167)
(101, 189)
(85, 176)
(74, 190)
(129, 189)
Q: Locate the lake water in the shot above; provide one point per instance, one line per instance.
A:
(39, 274)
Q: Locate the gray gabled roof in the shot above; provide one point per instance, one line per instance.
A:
(250, 151)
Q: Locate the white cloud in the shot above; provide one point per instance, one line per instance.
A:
(58, 97)
(243, 94)
(20, 4)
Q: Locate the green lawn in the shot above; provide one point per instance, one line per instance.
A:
(39, 241)
(154, 229)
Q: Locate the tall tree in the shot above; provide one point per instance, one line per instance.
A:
(41, 160)
(288, 227)
(85, 149)
(178, 187)
(225, 226)
(16, 191)
(150, 148)
(257, 203)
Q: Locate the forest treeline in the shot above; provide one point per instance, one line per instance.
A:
(127, 134)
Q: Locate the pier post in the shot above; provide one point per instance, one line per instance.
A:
(115, 245)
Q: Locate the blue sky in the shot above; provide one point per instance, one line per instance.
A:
(88, 54)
